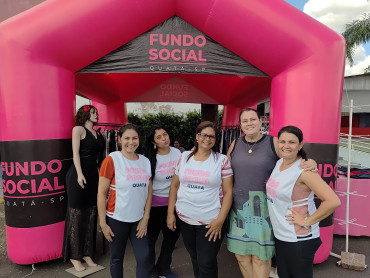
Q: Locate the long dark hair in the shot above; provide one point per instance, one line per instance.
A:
(297, 132)
(198, 130)
(150, 152)
(83, 114)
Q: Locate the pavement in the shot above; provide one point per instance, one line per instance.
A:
(181, 265)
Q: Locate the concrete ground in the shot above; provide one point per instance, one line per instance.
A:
(228, 267)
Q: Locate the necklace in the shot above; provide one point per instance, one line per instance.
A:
(250, 148)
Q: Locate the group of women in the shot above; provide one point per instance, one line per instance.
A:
(260, 195)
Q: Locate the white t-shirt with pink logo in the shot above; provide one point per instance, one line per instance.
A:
(128, 190)
(200, 193)
(164, 171)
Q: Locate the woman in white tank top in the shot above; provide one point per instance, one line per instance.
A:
(294, 217)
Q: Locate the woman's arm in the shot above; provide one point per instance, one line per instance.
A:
(276, 146)
(216, 225)
(103, 188)
(77, 133)
(230, 150)
(142, 227)
(172, 197)
(329, 200)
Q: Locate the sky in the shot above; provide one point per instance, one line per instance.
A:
(336, 14)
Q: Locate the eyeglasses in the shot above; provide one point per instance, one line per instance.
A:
(205, 135)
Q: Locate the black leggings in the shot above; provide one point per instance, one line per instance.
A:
(158, 223)
(295, 259)
(203, 253)
(122, 232)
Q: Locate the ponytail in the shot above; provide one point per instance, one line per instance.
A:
(303, 154)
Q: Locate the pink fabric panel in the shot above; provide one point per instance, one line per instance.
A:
(326, 235)
(230, 115)
(273, 53)
(99, 87)
(96, 27)
(33, 245)
(112, 113)
(308, 97)
(37, 100)
(358, 202)
(159, 201)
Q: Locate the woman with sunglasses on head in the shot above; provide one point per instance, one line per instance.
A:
(294, 218)
(82, 188)
(124, 200)
(163, 160)
(253, 157)
(201, 190)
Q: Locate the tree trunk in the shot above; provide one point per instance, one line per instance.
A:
(209, 112)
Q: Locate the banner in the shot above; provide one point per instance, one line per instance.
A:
(326, 156)
(34, 181)
(174, 46)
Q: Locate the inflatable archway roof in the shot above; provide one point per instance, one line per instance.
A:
(43, 48)
(273, 36)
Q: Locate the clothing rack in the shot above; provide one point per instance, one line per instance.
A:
(109, 125)
(228, 126)
(226, 135)
(110, 135)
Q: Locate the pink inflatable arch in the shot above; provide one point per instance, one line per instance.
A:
(43, 48)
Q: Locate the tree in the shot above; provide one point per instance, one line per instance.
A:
(367, 70)
(356, 32)
(209, 112)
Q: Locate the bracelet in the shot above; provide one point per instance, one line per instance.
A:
(304, 224)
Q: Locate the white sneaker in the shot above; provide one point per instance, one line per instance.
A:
(272, 273)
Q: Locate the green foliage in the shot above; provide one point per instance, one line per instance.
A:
(180, 127)
(367, 70)
(220, 113)
(356, 32)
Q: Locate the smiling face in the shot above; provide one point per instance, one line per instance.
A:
(129, 141)
(289, 145)
(206, 138)
(250, 123)
(161, 139)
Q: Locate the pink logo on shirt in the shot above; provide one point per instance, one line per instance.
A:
(167, 168)
(271, 187)
(136, 174)
(196, 176)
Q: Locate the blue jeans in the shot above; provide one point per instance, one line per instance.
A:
(122, 232)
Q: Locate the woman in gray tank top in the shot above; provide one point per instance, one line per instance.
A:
(253, 157)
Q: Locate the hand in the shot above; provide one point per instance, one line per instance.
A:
(309, 165)
(214, 231)
(142, 227)
(108, 234)
(171, 222)
(81, 180)
(295, 218)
